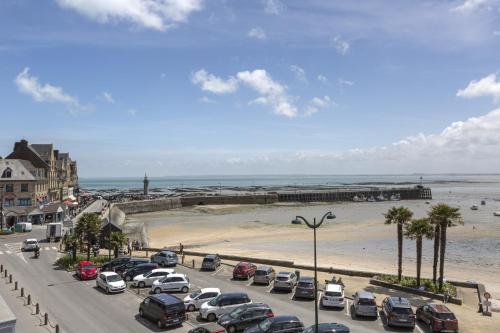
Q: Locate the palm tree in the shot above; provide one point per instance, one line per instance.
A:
(88, 229)
(444, 216)
(417, 230)
(400, 216)
(117, 241)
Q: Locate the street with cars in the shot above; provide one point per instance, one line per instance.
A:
(89, 299)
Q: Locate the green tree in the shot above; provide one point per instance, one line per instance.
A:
(442, 216)
(117, 241)
(416, 230)
(399, 216)
(87, 230)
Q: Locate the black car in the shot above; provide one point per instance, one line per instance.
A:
(132, 262)
(111, 265)
(164, 309)
(281, 324)
(328, 328)
(245, 316)
(139, 269)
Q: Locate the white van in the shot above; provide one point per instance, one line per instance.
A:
(27, 226)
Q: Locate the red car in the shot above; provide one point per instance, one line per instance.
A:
(438, 318)
(86, 270)
(244, 270)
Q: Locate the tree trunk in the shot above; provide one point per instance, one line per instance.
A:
(444, 228)
(436, 252)
(116, 251)
(400, 251)
(88, 251)
(419, 258)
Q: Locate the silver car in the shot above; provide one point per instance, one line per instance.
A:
(364, 304)
(285, 281)
(211, 262)
(264, 275)
(305, 288)
(164, 258)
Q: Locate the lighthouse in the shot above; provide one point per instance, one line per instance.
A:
(146, 184)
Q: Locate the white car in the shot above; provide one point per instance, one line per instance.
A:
(222, 304)
(147, 279)
(333, 296)
(172, 282)
(30, 244)
(194, 300)
(110, 282)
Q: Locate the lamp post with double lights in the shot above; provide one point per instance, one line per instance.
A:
(314, 226)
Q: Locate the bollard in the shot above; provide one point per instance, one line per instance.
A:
(22, 292)
(182, 258)
(193, 263)
(57, 328)
(5, 273)
(29, 299)
(37, 310)
(146, 253)
(10, 278)
(46, 319)
(15, 286)
(1, 268)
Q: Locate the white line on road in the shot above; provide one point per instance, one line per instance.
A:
(54, 248)
(320, 293)
(249, 283)
(1, 252)
(8, 252)
(47, 248)
(418, 328)
(270, 289)
(347, 308)
(217, 271)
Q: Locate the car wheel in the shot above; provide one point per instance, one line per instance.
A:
(211, 317)
(142, 284)
(184, 289)
(191, 307)
(107, 290)
(231, 329)
(159, 324)
(429, 326)
(128, 278)
(141, 313)
(157, 290)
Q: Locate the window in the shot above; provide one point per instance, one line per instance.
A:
(9, 188)
(7, 173)
(24, 202)
(24, 187)
(9, 203)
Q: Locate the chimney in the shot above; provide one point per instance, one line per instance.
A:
(21, 144)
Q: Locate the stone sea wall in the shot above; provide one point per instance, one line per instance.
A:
(145, 206)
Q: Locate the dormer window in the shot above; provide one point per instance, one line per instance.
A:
(7, 173)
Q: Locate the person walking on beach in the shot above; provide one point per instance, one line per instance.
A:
(181, 248)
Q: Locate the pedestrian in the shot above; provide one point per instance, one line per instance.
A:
(181, 248)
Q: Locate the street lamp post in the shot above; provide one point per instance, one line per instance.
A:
(109, 231)
(1, 208)
(314, 226)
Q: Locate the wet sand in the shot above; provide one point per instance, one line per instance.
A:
(356, 239)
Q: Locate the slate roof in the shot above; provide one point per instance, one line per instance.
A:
(20, 170)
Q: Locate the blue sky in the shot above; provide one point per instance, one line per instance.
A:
(199, 87)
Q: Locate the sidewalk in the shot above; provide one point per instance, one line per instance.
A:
(26, 322)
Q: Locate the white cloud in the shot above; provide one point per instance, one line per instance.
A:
(343, 82)
(152, 14)
(273, 93)
(299, 72)
(321, 78)
(206, 100)
(108, 97)
(214, 84)
(487, 86)
(470, 5)
(29, 85)
(316, 104)
(273, 7)
(257, 33)
(341, 45)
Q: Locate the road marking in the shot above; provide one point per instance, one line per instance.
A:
(8, 252)
(249, 283)
(418, 328)
(54, 248)
(347, 308)
(47, 248)
(1, 252)
(270, 289)
(217, 271)
(319, 298)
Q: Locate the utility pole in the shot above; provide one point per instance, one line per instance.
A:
(1, 208)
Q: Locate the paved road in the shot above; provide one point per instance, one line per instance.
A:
(79, 307)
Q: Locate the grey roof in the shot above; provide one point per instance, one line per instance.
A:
(42, 149)
(20, 170)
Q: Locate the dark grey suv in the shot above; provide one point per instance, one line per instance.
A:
(211, 262)
(328, 328)
(245, 316)
(305, 288)
(398, 312)
(281, 324)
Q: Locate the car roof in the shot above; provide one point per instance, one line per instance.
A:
(243, 263)
(285, 318)
(263, 268)
(234, 294)
(86, 262)
(306, 279)
(108, 273)
(177, 275)
(212, 326)
(365, 294)
(163, 270)
(440, 308)
(255, 305)
(333, 287)
(30, 240)
(146, 264)
(210, 290)
(284, 273)
(331, 327)
(211, 255)
(166, 298)
(399, 302)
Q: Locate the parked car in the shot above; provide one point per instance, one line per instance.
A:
(110, 282)
(132, 262)
(364, 304)
(147, 279)
(333, 296)
(86, 270)
(172, 282)
(327, 328)
(438, 318)
(25, 226)
(222, 304)
(30, 244)
(244, 270)
(208, 328)
(131, 273)
(398, 312)
(165, 258)
(285, 281)
(110, 265)
(164, 309)
(281, 324)
(194, 300)
(244, 316)
(211, 262)
(305, 288)
(264, 275)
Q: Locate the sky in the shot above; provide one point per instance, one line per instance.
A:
(220, 87)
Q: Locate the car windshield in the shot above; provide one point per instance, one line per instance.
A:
(305, 284)
(88, 267)
(260, 273)
(195, 294)
(265, 324)
(282, 278)
(333, 293)
(208, 260)
(113, 278)
(31, 242)
(236, 312)
(366, 301)
(214, 301)
(445, 316)
(402, 310)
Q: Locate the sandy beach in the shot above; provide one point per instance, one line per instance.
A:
(356, 239)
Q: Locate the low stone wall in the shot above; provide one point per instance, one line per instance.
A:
(145, 206)
(230, 200)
